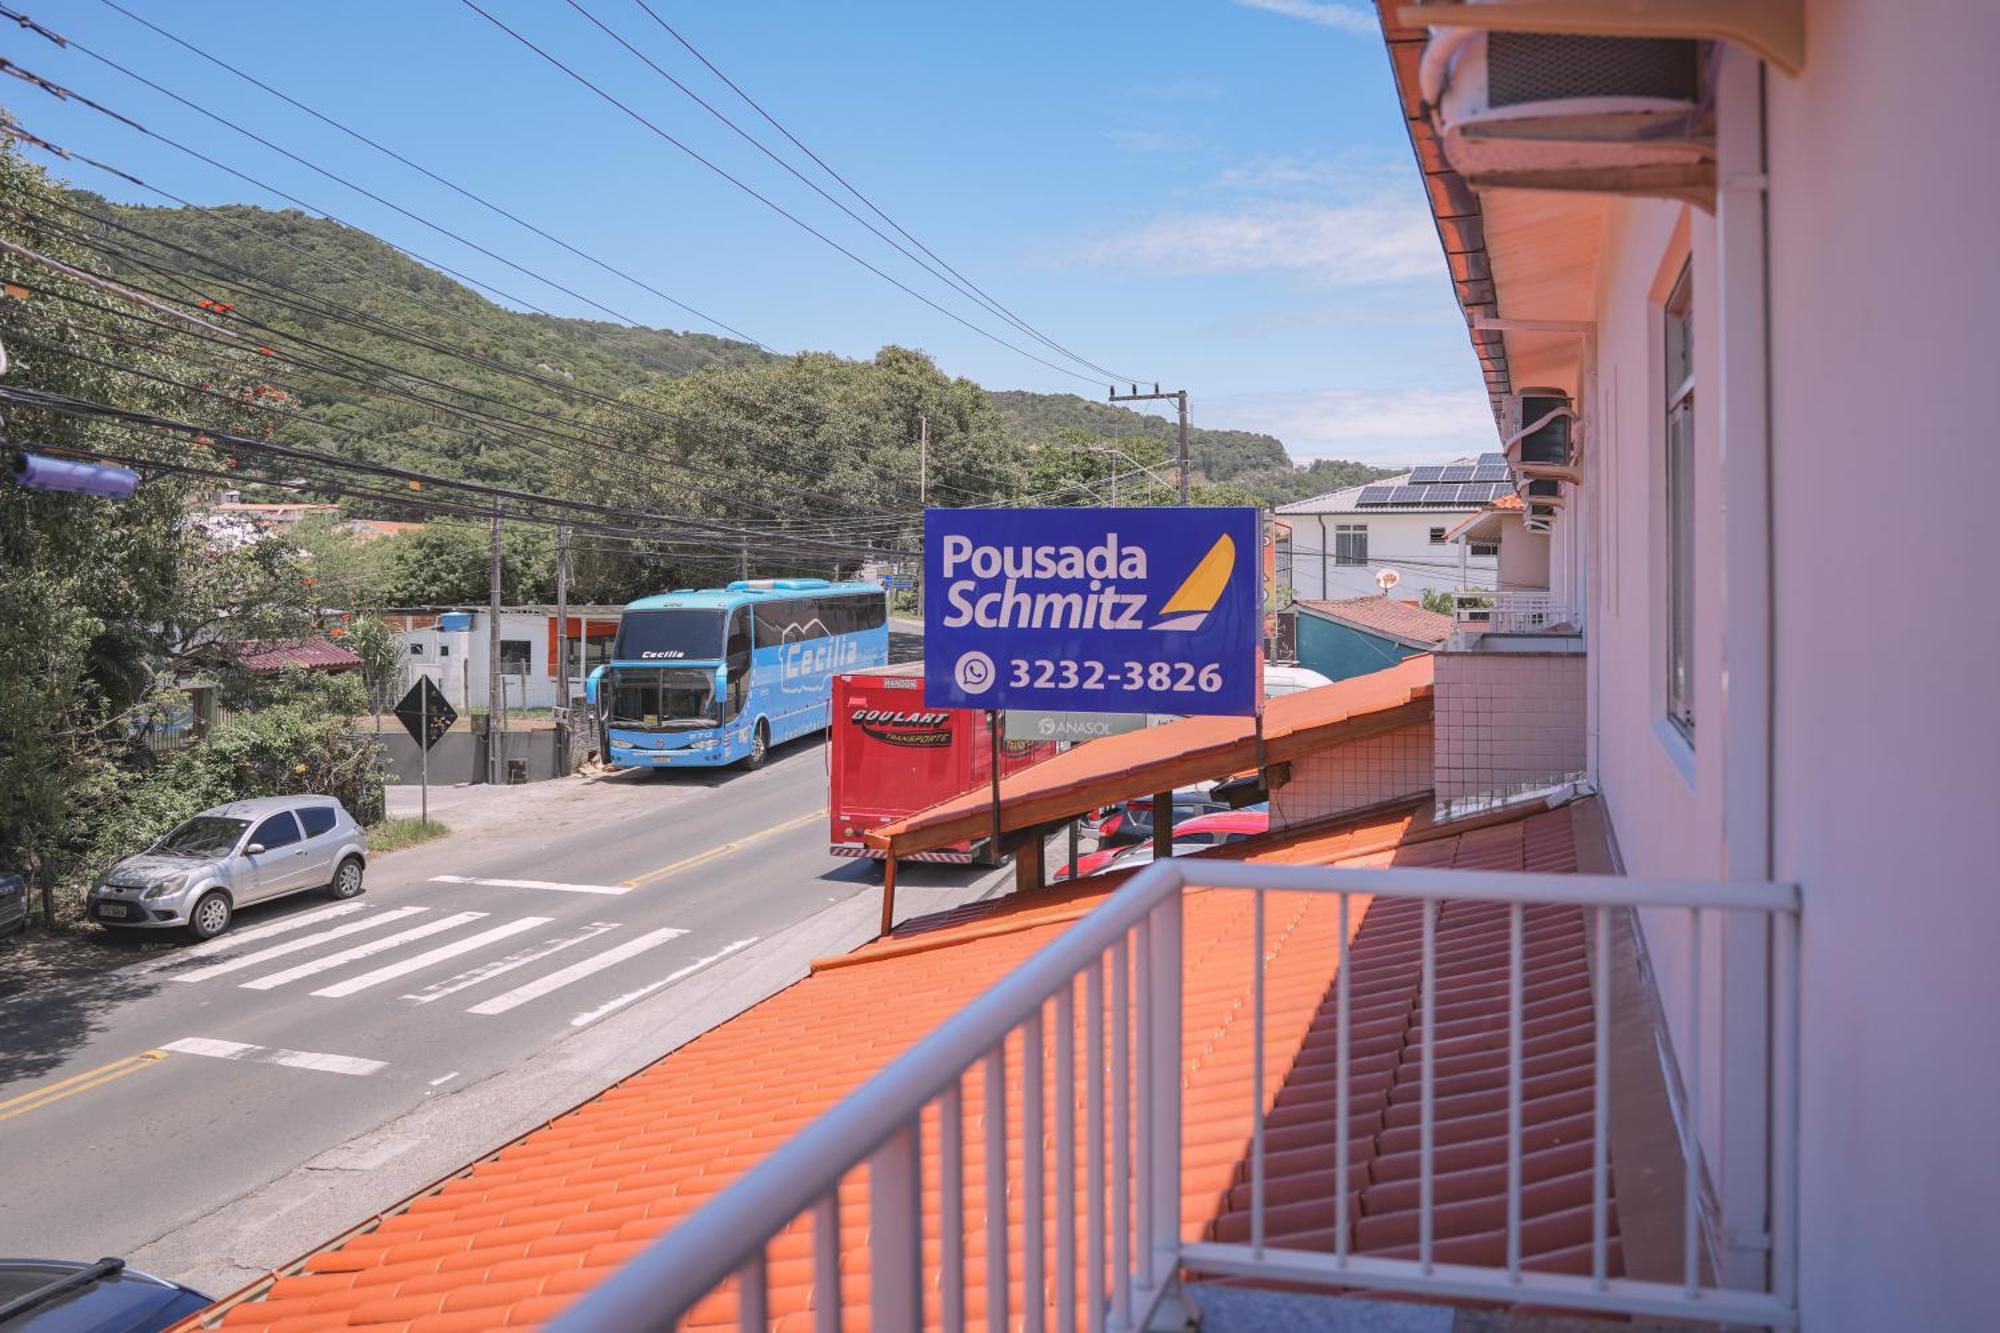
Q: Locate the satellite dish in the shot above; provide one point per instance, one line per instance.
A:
(1387, 579)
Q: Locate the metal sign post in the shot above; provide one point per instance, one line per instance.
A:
(993, 732)
(427, 715)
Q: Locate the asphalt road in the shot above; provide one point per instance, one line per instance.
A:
(136, 1101)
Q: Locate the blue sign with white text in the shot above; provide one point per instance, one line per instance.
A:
(1096, 610)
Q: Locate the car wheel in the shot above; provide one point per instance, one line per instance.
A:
(210, 916)
(760, 747)
(347, 879)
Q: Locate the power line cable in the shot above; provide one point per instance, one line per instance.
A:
(932, 267)
(778, 208)
(773, 121)
(449, 184)
(68, 405)
(316, 308)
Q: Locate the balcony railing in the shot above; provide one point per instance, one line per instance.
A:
(1507, 611)
(1118, 1247)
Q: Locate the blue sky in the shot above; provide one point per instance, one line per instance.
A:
(1215, 193)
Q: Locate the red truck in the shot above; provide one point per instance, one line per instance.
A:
(891, 756)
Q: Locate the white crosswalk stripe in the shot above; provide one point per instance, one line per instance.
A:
(501, 966)
(236, 939)
(576, 971)
(330, 961)
(262, 956)
(431, 958)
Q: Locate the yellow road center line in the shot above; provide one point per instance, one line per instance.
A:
(702, 858)
(84, 1082)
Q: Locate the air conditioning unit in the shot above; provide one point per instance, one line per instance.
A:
(1621, 115)
(1541, 435)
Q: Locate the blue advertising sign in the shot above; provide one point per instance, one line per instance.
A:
(1095, 610)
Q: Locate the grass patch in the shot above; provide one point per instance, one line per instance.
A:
(391, 835)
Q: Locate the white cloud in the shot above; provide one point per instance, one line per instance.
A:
(1382, 426)
(1328, 243)
(1345, 17)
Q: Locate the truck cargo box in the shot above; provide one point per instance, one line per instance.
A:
(891, 756)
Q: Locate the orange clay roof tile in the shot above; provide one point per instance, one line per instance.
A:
(519, 1236)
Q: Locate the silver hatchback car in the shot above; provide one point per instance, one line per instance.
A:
(222, 859)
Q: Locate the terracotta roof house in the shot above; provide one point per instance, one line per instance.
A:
(1357, 635)
(269, 656)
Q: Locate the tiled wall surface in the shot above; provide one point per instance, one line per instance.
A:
(1360, 773)
(1508, 721)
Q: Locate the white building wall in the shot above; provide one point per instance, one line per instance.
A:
(1884, 188)
(1398, 541)
(457, 661)
(1883, 642)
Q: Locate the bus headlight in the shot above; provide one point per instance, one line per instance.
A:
(705, 743)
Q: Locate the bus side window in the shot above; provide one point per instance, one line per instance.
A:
(772, 617)
(737, 660)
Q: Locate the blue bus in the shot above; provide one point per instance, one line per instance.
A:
(719, 676)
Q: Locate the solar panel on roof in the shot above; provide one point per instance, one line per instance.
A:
(1491, 460)
(1374, 495)
(1407, 495)
(1427, 474)
(1440, 495)
(1490, 474)
(1460, 472)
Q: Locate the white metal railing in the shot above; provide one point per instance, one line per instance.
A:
(1507, 611)
(1128, 1207)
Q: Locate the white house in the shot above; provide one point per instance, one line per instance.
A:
(1339, 543)
(451, 646)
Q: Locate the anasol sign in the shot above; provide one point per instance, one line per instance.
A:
(1097, 610)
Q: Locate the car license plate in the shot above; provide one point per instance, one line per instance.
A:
(111, 909)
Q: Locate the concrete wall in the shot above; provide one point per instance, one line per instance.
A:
(460, 756)
(1338, 651)
(1507, 722)
(1395, 541)
(1882, 189)
(1359, 773)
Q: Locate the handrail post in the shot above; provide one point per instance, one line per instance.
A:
(1163, 999)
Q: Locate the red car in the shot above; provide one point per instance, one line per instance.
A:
(1204, 830)
(1224, 826)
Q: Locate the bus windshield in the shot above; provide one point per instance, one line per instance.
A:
(662, 698)
(669, 635)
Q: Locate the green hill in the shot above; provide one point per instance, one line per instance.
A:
(340, 288)
(1218, 455)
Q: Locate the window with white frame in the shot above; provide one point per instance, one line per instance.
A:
(1488, 550)
(1680, 535)
(1350, 543)
(1437, 536)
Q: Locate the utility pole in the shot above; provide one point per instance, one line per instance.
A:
(562, 623)
(743, 557)
(494, 720)
(923, 461)
(1179, 396)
